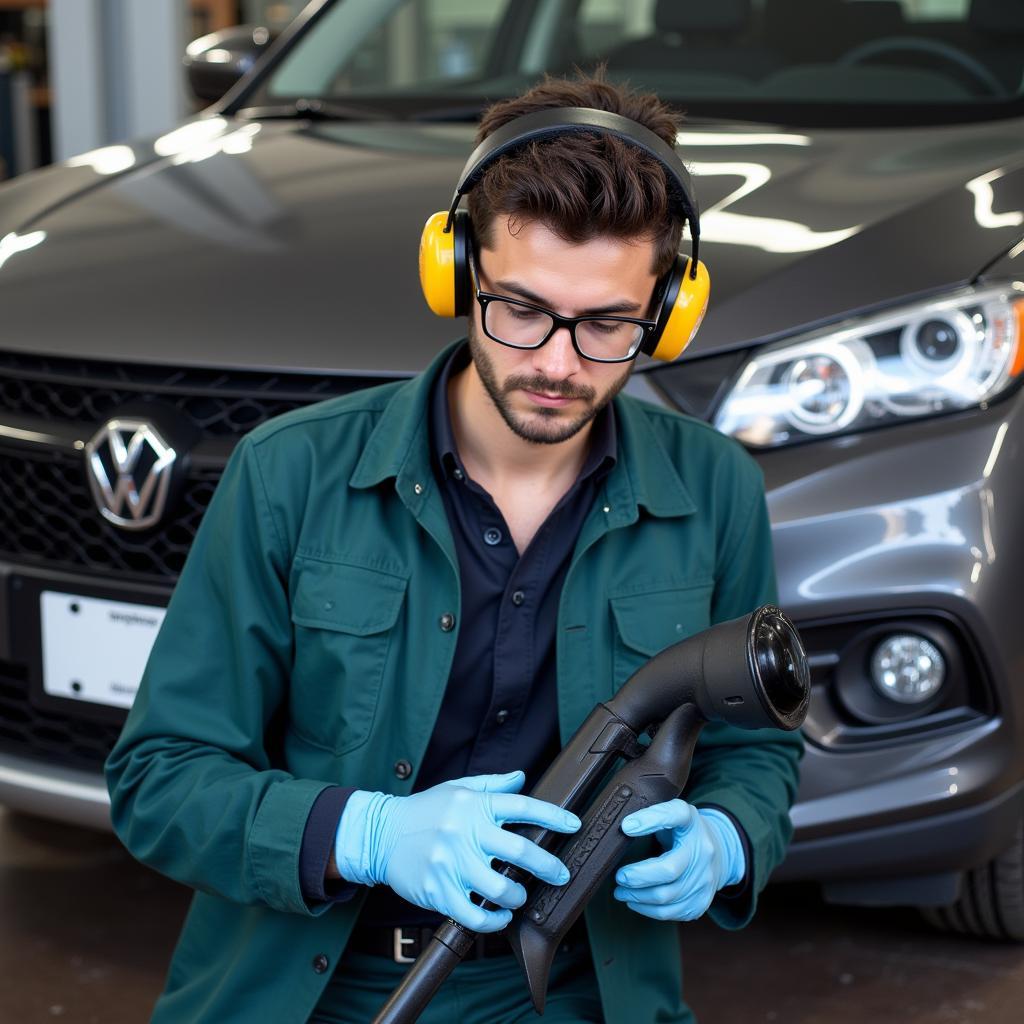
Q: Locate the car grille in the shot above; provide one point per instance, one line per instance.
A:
(49, 521)
(48, 517)
(67, 739)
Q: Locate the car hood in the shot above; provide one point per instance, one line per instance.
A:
(293, 245)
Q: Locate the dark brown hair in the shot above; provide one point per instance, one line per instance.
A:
(585, 184)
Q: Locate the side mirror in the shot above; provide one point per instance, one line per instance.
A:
(215, 62)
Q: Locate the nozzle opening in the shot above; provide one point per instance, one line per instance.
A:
(781, 666)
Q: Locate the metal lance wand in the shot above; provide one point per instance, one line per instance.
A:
(750, 672)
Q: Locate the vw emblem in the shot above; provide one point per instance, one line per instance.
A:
(129, 468)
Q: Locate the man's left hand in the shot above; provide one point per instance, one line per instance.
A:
(703, 853)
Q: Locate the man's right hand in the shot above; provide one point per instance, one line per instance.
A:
(434, 848)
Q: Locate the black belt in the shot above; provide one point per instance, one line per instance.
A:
(403, 945)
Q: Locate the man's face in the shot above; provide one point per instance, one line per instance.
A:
(548, 394)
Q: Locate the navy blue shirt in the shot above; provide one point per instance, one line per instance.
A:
(500, 710)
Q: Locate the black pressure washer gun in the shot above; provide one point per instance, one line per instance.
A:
(750, 672)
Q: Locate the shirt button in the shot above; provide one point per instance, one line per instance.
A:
(320, 963)
(458, 474)
(492, 536)
(518, 597)
(501, 717)
(403, 769)
(447, 622)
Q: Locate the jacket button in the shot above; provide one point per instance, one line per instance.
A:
(320, 963)
(518, 598)
(403, 769)
(447, 622)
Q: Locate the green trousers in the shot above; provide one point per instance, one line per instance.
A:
(487, 991)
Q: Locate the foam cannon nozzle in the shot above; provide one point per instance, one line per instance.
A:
(751, 672)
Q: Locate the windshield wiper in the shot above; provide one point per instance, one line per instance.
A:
(313, 110)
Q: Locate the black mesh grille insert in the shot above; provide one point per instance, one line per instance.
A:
(76, 741)
(48, 517)
(219, 402)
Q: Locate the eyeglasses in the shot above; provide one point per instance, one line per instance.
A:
(519, 324)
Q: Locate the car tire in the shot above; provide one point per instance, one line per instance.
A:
(991, 905)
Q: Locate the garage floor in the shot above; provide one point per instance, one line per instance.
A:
(85, 934)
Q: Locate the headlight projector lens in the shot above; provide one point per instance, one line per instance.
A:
(908, 669)
(937, 345)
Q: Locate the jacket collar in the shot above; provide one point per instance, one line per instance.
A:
(399, 448)
(645, 474)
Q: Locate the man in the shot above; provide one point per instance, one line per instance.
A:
(402, 603)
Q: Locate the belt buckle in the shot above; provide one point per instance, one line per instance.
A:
(398, 943)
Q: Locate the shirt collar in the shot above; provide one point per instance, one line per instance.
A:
(601, 455)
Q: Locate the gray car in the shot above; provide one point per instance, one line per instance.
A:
(860, 169)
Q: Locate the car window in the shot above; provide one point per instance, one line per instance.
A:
(812, 53)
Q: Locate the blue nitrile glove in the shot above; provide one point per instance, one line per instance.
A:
(704, 853)
(434, 848)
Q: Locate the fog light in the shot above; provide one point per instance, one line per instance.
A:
(908, 669)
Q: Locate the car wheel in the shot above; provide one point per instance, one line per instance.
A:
(991, 905)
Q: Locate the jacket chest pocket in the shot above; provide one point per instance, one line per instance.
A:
(344, 619)
(648, 622)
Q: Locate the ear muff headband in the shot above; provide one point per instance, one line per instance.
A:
(445, 242)
(565, 120)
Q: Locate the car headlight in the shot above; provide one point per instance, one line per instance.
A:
(935, 356)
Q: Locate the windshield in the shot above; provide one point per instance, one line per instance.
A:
(813, 60)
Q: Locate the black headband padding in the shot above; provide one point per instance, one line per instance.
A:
(562, 120)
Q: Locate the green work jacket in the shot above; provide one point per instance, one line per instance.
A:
(308, 644)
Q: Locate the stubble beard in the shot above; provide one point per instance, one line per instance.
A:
(546, 425)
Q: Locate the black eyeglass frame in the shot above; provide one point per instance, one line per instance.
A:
(558, 322)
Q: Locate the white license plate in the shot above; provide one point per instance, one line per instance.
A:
(95, 650)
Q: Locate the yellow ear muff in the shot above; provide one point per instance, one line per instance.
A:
(444, 264)
(437, 265)
(686, 302)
